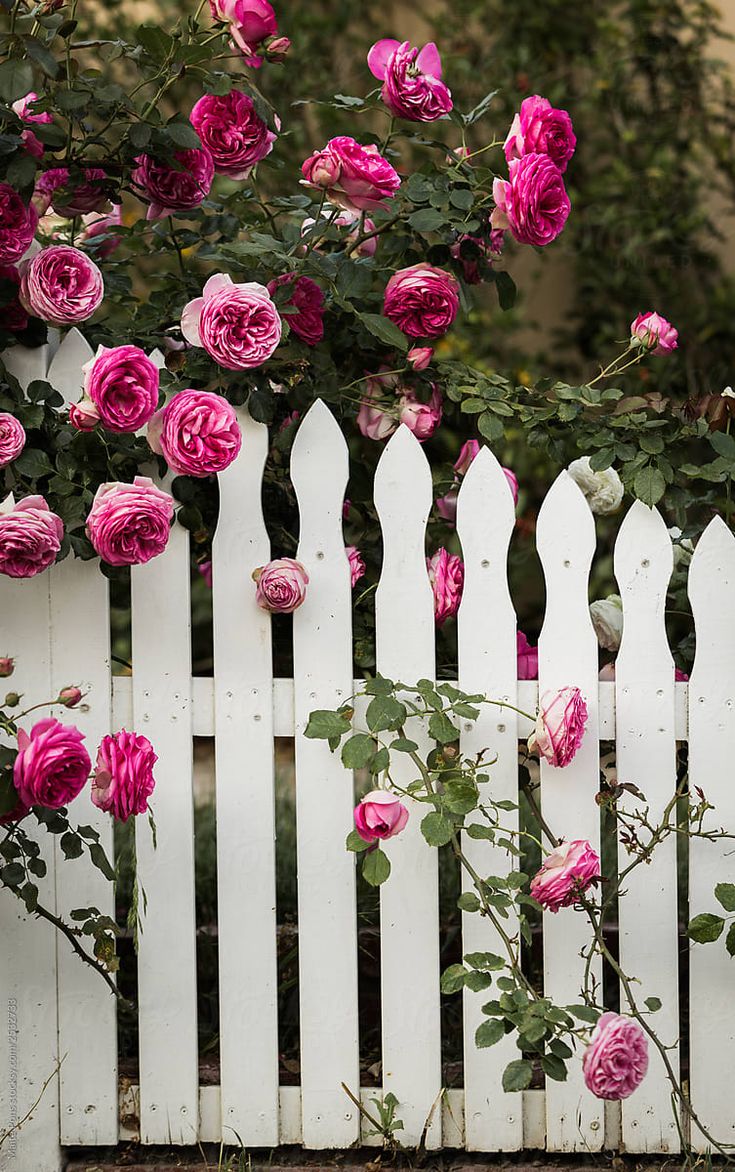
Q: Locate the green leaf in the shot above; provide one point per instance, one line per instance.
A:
(477, 981)
(71, 844)
(584, 1013)
(468, 902)
(517, 1075)
(385, 330)
(16, 79)
(725, 895)
(460, 796)
(403, 745)
(32, 462)
(442, 729)
(356, 843)
(100, 860)
(723, 444)
(481, 108)
(376, 867)
(358, 751)
(453, 978)
(41, 56)
(462, 198)
(385, 713)
(649, 485)
(139, 134)
(652, 1004)
(705, 928)
(554, 1067)
(183, 135)
(426, 220)
(12, 875)
(490, 426)
(324, 724)
(506, 288)
(730, 940)
(489, 1032)
(436, 829)
(485, 960)
(8, 793)
(154, 40)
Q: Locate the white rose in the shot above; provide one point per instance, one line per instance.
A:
(607, 619)
(604, 490)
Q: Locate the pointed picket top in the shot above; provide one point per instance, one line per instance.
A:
(27, 364)
(240, 488)
(319, 467)
(711, 586)
(485, 508)
(643, 564)
(565, 541)
(158, 357)
(65, 372)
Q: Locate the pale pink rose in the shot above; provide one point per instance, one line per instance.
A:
(533, 203)
(18, 223)
(422, 301)
(527, 658)
(446, 574)
(281, 585)
(412, 84)
(70, 696)
(234, 134)
(570, 869)
(421, 418)
(99, 233)
(13, 316)
(168, 191)
(123, 777)
(30, 536)
(447, 506)
(355, 177)
(654, 333)
(308, 299)
(539, 128)
(357, 565)
(467, 454)
(250, 21)
(380, 815)
(84, 415)
(345, 219)
(61, 285)
(374, 421)
(52, 765)
(122, 384)
(419, 357)
(7, 666)
(616, 1060)
(238, 325)
(128, 524)
(560, 726)
(67, 197)
(197, 433)
(12, 438)
(23, 107)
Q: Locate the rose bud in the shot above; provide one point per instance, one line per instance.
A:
(70, 696)
(7, 666)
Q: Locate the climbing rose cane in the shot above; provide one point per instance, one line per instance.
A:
(568, 871)
(197, 433)
(30, 536)
(238, 325)
(412, 84)
(123, 776)
(52, 765)
(559, 727)
(616, 1060)
(281, 585)
(379, 815)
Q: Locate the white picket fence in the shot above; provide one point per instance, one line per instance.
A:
(57, 625)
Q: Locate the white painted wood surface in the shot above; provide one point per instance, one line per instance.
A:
(409, 901)
(486, 631)
(565, 539)
(322, 646)
(244, 767)
(65, 369)
(711, 756)
(646, 757)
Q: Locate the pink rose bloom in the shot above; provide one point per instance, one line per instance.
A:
(533, 203)
(467, 454)
(205, 569)
(197, 433)
(169, 191)
(421, 418)
(446, 574)
(616, 1060)
(22, 107)
(308, 299)
(355, 177)
(281, 585)
(18, 223)
(345, 219)
(380, 815)
(373, 421)
(527, 658)
(412, 84)
(52, 765)
(129, 524)
(568, 871)
(61, 285)
(655, 333)
(12, 438)
(13, 316)
(447, 506)
(540, 129)
(357, 565)
(238, 325)
(233, 133)
(422, 301)
(122, 383)
(69, 198)
(17, 814)
(123, 777)
(30, 536)
(99, 232)
(419, 357)
(560, 726)
(83, 415)
(251, 21)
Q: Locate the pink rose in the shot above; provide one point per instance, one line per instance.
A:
(422, 301)
(12, 438)
(654, 333)
(170, 191)
(616, 1060)
(250, 21)
(467, 454)
(22, 107)
(570, 869)
(99, 232)
(122, 383)
(308, 299)
(30, 536)
(7, 666)
(278, 49)
(129, 524)
(533, 203)
(560, 726)
(52, 765)
(17, 814)
(70, 198)
(234, 134)
(238, 325)
(380, 815)
(412, 84)
(355, 177)
(197, 433)
(281, 585)
(205, 569)
(345, 219)
(13, 316)
(61, 285)
(527, 658)
(541, 129)
(357, 565)
(84, 415)
(18, 222)
(421, 418)
(123, 775)
(419, 357)
(446, 574)
(376, 419)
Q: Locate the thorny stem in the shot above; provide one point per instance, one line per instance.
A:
(65, 930)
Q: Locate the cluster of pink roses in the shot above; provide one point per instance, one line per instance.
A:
(388, 402)
(253, 28)
(533, 202)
